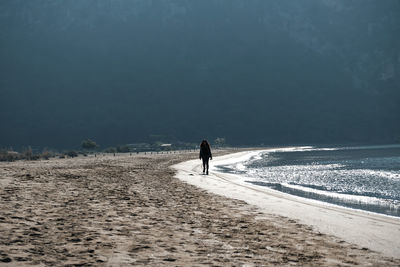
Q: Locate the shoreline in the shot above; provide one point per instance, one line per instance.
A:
(374, 231)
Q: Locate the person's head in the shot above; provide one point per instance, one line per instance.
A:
(204, 142)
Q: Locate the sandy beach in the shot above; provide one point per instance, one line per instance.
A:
(132, 210)
(374, 231)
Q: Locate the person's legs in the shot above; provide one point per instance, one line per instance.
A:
(204, 165)
(207, 164)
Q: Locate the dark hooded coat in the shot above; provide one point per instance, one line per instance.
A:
(205, 151)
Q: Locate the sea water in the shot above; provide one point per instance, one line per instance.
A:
(366, 178)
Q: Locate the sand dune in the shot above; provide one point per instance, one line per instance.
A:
(132, 210)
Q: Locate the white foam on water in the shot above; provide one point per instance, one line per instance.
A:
(333, 183)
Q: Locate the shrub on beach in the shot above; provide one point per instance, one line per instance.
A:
(46, 154)
(6, 155)
(27, 153)
(89, 144)
(219, 142)
(71, 154)
(118, 149)
(110, 150)
(123, 149)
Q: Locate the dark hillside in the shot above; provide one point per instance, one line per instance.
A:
(272, 72)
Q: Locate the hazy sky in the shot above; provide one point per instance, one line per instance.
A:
(272, 72)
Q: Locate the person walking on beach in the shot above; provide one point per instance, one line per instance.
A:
(205, 154)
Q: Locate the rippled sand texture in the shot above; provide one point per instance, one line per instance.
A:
(131, 210)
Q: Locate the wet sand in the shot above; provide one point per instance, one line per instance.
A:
(374, 231)
(132, 210)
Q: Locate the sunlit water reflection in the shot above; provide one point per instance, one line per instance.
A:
(365, 178)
